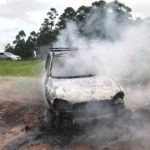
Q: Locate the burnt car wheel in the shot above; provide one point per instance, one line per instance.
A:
(63, 121)
(57, 122)
(47, 121)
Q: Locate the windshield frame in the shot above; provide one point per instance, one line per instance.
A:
(67, 77)
(9, 54)
(72, 77)
(61, 52)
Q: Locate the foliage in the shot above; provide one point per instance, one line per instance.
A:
(68, 15)
(9, 48)
(87, 27)
(47, 34)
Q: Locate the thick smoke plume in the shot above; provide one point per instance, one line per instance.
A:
(126, 58)
(123, 55)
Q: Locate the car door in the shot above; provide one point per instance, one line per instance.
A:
(50, 92)
(3, 56)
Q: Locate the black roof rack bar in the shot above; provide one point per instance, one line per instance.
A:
(63, 49)
(59, 55)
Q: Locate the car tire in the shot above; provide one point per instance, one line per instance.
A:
(49, 118)
(55, 122)
(62, 123)
(9, 59)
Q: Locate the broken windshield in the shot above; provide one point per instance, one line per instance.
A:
(74, 67)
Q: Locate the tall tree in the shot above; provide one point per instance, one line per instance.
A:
(19, 42)
(68, 15)
(100, 4)
(81, 15)
(92, 22)
(47, 34)
(31, 44)
(100, 19)
(9, 48)
(123, 12)
(20, 36)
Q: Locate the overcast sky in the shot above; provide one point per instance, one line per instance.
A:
(16, 15)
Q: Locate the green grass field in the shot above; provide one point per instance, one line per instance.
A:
(28, 68)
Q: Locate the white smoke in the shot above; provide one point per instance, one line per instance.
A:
(125, 57)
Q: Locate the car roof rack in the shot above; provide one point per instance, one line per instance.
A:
(60, 52)
(60, 49)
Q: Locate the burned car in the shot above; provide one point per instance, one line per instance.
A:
(74, 92)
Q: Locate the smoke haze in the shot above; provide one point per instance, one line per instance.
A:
(124, 55)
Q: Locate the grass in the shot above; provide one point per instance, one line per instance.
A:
(27, 68)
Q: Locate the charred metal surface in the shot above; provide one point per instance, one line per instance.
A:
(86, 111)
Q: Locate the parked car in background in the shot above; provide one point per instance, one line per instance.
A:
(9, 56)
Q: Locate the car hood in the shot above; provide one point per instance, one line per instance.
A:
(85, 89)
(16, 56)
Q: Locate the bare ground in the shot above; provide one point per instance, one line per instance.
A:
(21, 107)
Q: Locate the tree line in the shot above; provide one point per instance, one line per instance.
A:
(54, 23)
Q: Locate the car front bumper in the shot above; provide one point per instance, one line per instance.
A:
(86, 112)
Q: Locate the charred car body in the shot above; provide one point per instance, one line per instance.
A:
(75, 94)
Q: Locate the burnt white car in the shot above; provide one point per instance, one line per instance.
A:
(9, 56)
(75, 94)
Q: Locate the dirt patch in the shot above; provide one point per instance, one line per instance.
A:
(21, 106)
(22, 90)
(17, 119)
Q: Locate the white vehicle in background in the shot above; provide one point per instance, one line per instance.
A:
(76, 95)
(9, 56)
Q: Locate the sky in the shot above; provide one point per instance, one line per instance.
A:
(28, 15)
